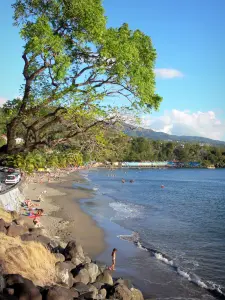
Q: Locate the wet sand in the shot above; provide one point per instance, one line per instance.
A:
(64, 219)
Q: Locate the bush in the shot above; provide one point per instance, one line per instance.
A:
(36, 159)
(29, 259)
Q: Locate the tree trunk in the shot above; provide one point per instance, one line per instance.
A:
(11, 136)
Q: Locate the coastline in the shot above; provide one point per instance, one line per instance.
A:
(67, 204)
(63, 218)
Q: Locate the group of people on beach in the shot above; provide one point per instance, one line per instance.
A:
(32, 211)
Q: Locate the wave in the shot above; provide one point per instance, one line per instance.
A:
(125, 211)
(214, 289)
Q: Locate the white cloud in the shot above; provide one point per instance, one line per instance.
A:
(205, 124)
(2, 101)
(168, 73)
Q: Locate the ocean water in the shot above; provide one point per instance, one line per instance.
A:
(168, 225)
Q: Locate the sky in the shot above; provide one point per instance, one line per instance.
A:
(189, 37)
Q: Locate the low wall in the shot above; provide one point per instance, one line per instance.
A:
(10, 200)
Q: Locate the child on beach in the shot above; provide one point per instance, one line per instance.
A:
(113, 260)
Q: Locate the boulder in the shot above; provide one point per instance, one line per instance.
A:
(22, 290)
(60, 257)
(92, 270)
(65, 265)
(81, 275)
(102, 293)
(36, 231)
(127, 282)
(53, 246)
(105, 277)
(2, 282)
(81, 288)
(63, 275)
(94, 291)
(101, 267)
(2, 226)
(136, 294)
(60, 293)
(74, 250)
(87, 260)
(77, 261)
(16, 230)
(98, 285)
(8, 297)
(44, 240)
(120, 292)
(27, 237)
(13, 278)
(86, 296)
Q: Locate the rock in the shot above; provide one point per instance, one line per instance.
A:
(9, 291)
(120, 292)
(2, 226)
(127, 282)
(13, 278)
(2, 283)
(136, 294)
(81, 288)
(63, 275)
(62, 244)
(60, 257)
(8, 297)
(105, 277)
(74, 250)
(94, 291)
(44, 240)
(98, 285)
(92, 270)
(87, 260)
(53, 246)
(102, 293)
(101, 267)
(27, 237)
(86, 296)
(65, 265)
(81, 276)
(26, 290)
(60, 293)
(16, 230)
(36, 231)
(77, 261)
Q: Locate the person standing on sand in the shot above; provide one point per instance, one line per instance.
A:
(113, 259)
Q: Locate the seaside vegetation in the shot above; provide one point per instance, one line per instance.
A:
(117, 147)
(75, 66)
(74, 69)
(30, 259)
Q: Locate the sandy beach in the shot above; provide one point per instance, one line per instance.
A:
(63, 218)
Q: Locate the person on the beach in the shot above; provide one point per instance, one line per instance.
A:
(113, 259)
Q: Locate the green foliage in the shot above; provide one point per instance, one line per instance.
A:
(123, 148)
(40, 160)
(72, 63)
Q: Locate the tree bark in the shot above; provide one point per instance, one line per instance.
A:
(11, 136)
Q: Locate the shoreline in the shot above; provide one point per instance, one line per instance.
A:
(63, 218)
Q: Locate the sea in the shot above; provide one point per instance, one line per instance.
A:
(168, 226)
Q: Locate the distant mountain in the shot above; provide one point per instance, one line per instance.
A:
(132, 130)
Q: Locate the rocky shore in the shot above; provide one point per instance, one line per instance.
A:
(49, 262)
(73, 276)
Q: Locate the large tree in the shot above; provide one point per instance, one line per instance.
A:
(72, 63)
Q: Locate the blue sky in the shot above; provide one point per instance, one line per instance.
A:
(189, 36)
